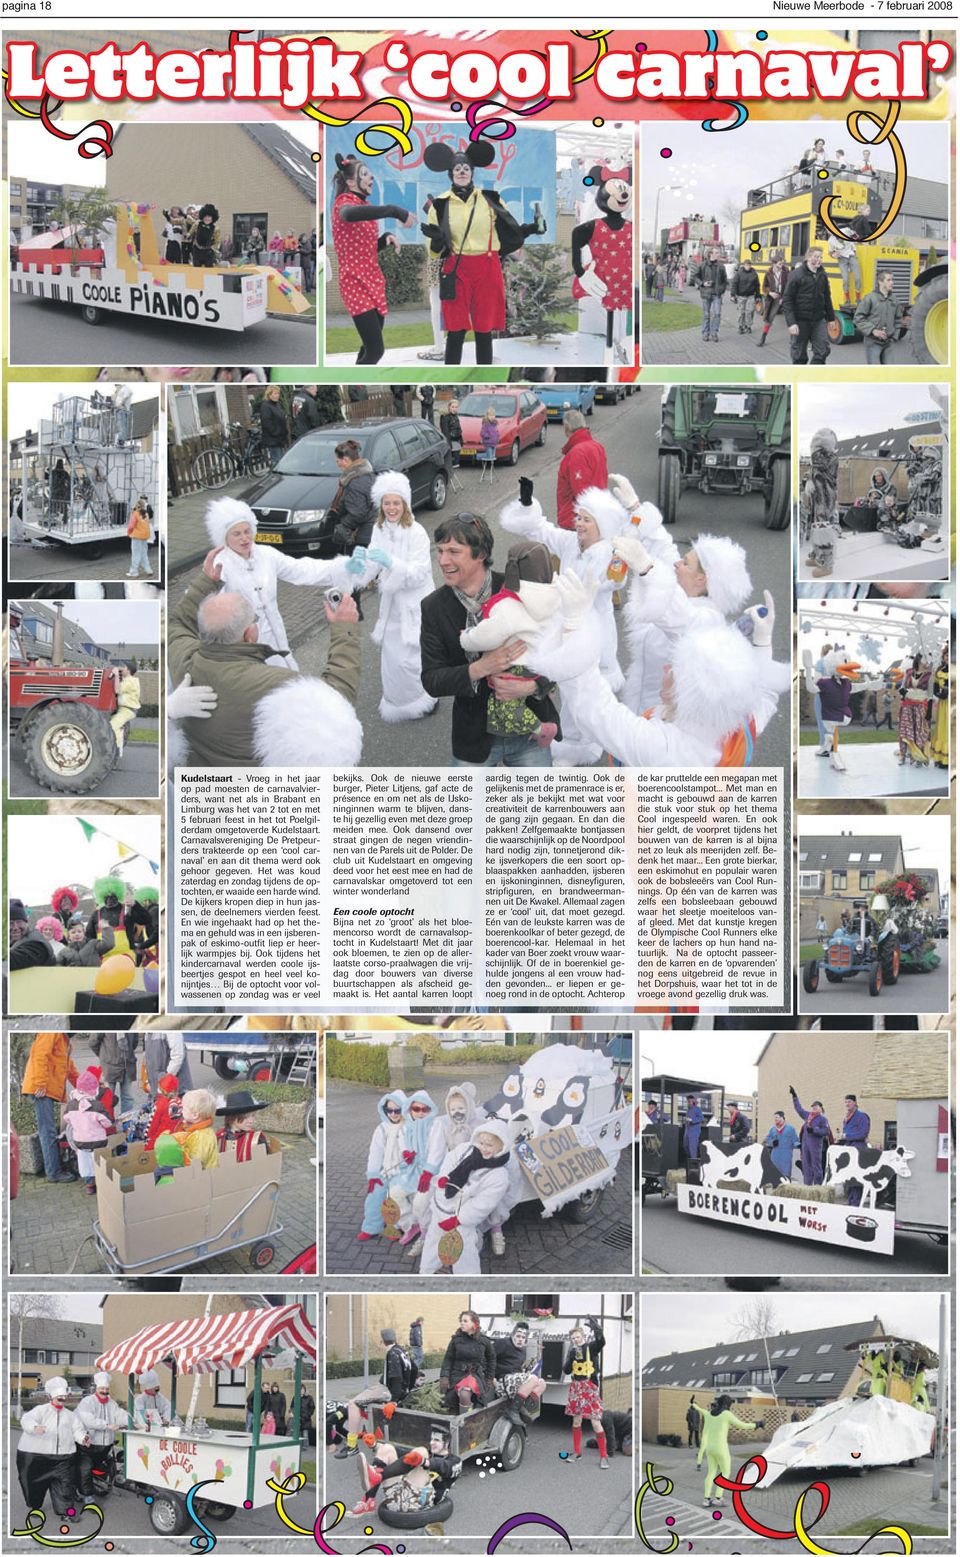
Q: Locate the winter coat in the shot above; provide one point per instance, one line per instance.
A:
(273, 424)
(306, 416)
(402, 586)
(353, 507)
(806, 298)
(31, 951)
(775, 280)
(876, 312)
(416, 1334)
(44, 1430)
(145, 917)
(746, 283)
(489, 436)
(739, 1129)
(387, 1143)
(87, 1126)
(98, 1420)
(710, 278)
(583, 464)
(649, 644)
(451, 429)
(90, 954)
(116, 1055)
(466, 1354)
(49, 1066)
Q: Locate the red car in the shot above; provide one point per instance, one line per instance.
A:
(521, 419)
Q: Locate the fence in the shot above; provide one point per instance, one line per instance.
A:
(180, 457)
(380, 405)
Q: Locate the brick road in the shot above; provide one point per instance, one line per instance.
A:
(49, 1221)
(534, 1246)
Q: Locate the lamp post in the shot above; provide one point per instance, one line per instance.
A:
(664, 188)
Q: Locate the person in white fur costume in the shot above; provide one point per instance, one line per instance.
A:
(587, 552)
(648, 644)
(720, 690)
(472, 1182)
(399, 551)
(255, 571)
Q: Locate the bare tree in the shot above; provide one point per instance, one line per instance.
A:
(755, 1319)
(25, 1306)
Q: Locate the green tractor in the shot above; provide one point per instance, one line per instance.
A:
(727, 442)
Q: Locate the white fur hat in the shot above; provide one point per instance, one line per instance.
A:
(715, 680)
(221, 516)
(391, 481)
(306, 723)
(725, 564)
(607, 512)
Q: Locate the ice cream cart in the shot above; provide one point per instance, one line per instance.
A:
(166, 1460)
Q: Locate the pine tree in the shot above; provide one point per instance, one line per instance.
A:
(538, 291)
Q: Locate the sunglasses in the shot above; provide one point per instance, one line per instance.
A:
(419, 1108)
(394, 1113)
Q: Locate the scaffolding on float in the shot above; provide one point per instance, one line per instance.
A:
(89, 478)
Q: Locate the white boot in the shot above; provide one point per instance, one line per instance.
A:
(837, 762)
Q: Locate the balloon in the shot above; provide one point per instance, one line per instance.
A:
(114, 974)
(151, 979)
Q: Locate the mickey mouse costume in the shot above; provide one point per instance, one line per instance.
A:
(473, 231)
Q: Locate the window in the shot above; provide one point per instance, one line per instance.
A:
(804, 1378)
(765, 1378)
(751, 1356)
(792, 1351)
(231, 1387)
(667, 1367)
(778, 1352)
(874, 857)
(868, 879)
(718, 1360)
(839, 881)
(243, 224)
(809, 880)
(384, 451)
(802, 855)
(854, 859)
(409, 441)
(728, 1376)
(824, 1378)
(42, 631)
(822, 1350)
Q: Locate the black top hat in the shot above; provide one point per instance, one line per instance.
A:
(241, 1102)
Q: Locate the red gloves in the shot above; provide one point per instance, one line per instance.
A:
(424, 1182)
(409, 1156)
(416, 1457)
(442, 1183)
(389, 1409)
(450, 1223)
(372, 1184)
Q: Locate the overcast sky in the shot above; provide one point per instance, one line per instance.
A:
(115, 621)
(33, 153)
(926, 839)
(682, 1321)
(716, 166)
(28, 404)
(859, 409)
(44, 852)
(729, 1058)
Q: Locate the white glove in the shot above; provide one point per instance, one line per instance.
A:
(624, 493)
(592, 284)
(576, 599)
(763, 618)
(189, 702)
(632, 551)
(808, 659)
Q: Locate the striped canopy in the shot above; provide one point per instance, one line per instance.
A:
(215, 1342)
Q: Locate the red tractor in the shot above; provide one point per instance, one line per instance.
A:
(60, 715)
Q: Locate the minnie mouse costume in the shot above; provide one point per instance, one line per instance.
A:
(609, 238)
(356, 244)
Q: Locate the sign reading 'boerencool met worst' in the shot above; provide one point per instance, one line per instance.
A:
(870, 1231)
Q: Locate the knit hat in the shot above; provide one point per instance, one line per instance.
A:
(608, 514)
(221, 516)
(725, 564)
(17, 912)
(51, 923)
(391, 481)
(389, 1337)
(64, 897)
(87, 1083)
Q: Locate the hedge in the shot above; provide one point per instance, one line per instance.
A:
(403, 271)
(367, 1062)
(352, 1367)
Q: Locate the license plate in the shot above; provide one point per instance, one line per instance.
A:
(270, 537)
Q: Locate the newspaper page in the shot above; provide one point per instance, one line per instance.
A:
(479, 688)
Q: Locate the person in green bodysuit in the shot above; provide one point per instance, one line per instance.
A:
(919, 1396)
(874, 1364)
(717, 1423)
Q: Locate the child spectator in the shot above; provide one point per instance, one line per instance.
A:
(166, 1114)
(197, 1137)
(239, 1133)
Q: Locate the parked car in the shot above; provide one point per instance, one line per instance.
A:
(568, 397)
(943, 927)
(521, 418)
(611, 392)
(292, 501)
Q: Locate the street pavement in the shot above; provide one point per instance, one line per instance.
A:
(45, 333)
(885, 1494)
(672, 1243)
(46, 562)
(534, 1246)
(137, 774)
(688, 346)
(586, 1501)
(50, 1224)
(913, 992)
(628, 432)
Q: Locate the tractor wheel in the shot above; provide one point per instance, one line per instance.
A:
(811, 976)
(876, 978)
(929, 329)
(776, 507)
(890, 960)
(668, 486)
(69, 748)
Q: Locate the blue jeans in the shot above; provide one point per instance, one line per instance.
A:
(274, 453)
(139, 556)
(511, 751)
(47, 1131)
(711, 315)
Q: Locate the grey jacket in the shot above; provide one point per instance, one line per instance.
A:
(876, 312)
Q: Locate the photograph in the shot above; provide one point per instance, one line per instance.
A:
(189, 243)
(84, 490)
(874, 913)
(808, 1156)
(842, 1388)
(330, 607)
(874, 699)
(122, 1403)
(430, 1395)
(738, 265)
(83, 696)
(477, 1153)
(874, 471)
(486, 250)
(83, 914)
(144, 1120)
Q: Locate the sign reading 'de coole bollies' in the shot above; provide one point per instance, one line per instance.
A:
(871, 1231)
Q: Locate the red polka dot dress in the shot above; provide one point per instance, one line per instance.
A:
(359, 276)
(612, 253)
